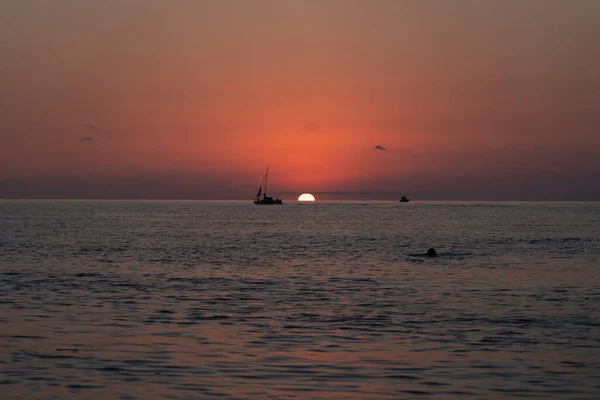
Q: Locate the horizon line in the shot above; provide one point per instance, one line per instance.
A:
(291, 200)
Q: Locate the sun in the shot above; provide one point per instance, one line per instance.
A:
(306, 197)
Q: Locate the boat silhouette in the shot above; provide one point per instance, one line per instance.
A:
(404, 199)
(266, 200)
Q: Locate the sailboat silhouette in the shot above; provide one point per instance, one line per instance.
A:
(266, 200)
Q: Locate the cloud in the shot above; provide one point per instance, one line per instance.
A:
(90, 127)
(383, 148)
(346, 192)
(537, 148)
(87, 139)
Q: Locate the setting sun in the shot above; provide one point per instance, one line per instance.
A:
(306, 197)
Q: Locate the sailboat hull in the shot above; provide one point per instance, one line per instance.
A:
(267, 201)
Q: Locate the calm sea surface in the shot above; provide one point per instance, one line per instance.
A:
(203, 300)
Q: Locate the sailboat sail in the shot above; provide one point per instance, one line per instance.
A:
(259, 192)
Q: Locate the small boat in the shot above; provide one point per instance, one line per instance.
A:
(266, 200)
(404, 199)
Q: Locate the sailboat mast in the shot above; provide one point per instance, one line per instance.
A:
(266, 178)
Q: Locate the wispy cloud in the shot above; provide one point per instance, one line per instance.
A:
(87, 139)
(383, 148)
(345, 193)
(91, 127)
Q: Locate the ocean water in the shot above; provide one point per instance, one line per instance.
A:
(227, 300)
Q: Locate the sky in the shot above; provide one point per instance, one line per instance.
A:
(346, 99)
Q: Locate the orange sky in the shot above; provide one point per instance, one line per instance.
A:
(192, 99)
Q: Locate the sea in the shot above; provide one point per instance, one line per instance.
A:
(324, 300)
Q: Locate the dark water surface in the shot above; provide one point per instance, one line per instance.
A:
(203, 300)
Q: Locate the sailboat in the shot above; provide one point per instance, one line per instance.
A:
(404, 199)
(266, 199)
